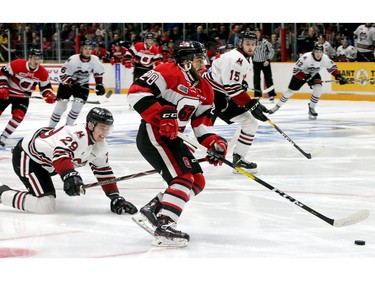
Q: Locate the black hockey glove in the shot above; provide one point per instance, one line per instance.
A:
(244, 85)
(100, 89)
(72, 182)
(120, 206)
(257, 109)
(342, 80)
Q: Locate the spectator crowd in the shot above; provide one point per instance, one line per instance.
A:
(58, 41)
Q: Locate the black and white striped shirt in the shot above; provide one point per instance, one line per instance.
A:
(263, 51)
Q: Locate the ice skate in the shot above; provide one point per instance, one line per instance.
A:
(2, 141)
(147, 216)
(274, 109)
(167, 236)
(239, 161)
(2, 189)
(312, 113)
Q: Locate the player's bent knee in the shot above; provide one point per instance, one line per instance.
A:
(18, 114)
(199, 183)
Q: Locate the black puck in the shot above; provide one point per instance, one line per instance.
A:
(359, 242)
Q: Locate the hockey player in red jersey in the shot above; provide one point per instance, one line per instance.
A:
(18, 80)
(101, 52)
(145, 54)
(75, 75)
(48, 152)
(168, 98)
(227, 76)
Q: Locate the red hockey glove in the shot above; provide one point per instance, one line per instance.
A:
(112, 60)
(218, 146)
(49, 96)
(168, 125)
(127, 61)
(4, 92)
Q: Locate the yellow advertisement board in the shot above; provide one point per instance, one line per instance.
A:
(362, 74)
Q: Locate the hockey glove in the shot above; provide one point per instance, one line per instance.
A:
(4, 92)
(72, 182)
(218, 146)
(342, 80)
(100, 89)
(168, 125)
(120, 206)
(49, 96)
(244, 85)
(257, 109)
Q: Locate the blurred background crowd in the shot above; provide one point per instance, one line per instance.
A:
(58, 41)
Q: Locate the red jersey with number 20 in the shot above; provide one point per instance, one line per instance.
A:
(168, 84)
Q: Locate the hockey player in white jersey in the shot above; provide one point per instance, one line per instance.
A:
(74, 76)
(306, 70)
(48, 152)
(227, 76)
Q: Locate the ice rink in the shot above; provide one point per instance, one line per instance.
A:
(235, 219)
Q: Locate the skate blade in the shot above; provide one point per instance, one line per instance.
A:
(143, 222)
(164, 242)
(312, 117)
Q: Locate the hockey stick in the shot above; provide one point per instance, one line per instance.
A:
(265, 91)
(128, 177)
(352, 219)
(352, 80)
(41, 98)
(307, 155)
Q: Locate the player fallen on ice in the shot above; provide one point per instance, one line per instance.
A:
(48, 152)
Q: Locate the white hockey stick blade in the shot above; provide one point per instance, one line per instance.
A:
(352, 219)
(268, 89)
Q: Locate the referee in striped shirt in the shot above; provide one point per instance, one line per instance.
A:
(263, 54)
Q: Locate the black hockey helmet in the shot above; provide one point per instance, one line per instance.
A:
(187, 50)
(149, 35)
(87, 43)
(35, 52)
(99, 115)
(246, 35)
(318, 47)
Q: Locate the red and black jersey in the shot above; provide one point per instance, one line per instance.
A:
(102, 54)
(22, 80)
(168, 84)
(144, 56)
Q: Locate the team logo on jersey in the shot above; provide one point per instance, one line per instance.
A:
(183, 89)
(239, 61)
(80, 134)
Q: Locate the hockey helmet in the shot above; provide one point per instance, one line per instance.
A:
(187, 50)
(99, 115)
(149, 35)
(246, 35)
(318, 47)
(35, 52)
(87, 43)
